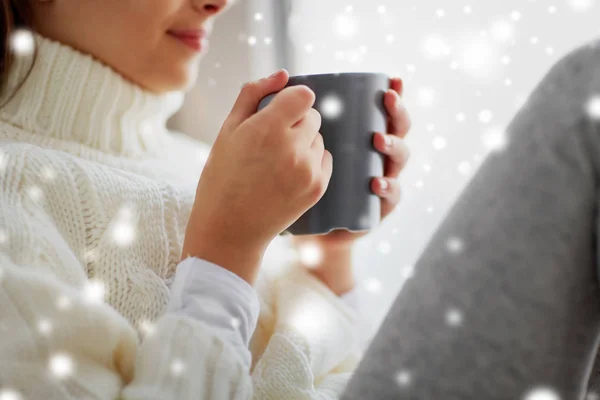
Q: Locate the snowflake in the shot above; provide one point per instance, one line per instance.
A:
(147, 327)
(464, 167)
(235, 322)
(94, 291)
(373, 285)
(436, 47)
(9, 394)
(454, 245)
(22, 42)
(581, 5)
(268, 41)
(552, 10)
(419, 184)
(61, 365)
(331, 106)
(403, 378)
(310, 254)
(502, 31)
(258, 16)
(515, 15)
(541, 393)
(593, 107)
(381, 9)
(48, 173)
(485, 116)
(460, 117)
(123, 233)
(3, 236)
(439, 143)
(177, 367)
(35, 193)
(425, 97)
(495, 139)
(454, 317)
(408, 271)
(44, 326)
(251, 40)
(63, 302)
(345, 26)
(384, 247)
(467, 9)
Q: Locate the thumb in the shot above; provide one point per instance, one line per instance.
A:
(252, 93)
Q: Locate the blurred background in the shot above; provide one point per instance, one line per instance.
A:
(467, 68)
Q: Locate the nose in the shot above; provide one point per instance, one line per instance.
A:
(211, 7)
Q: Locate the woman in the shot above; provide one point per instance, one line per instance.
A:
(100, 201)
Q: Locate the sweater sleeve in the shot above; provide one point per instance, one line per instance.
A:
(57, 341)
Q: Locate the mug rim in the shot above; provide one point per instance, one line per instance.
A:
(340, 74)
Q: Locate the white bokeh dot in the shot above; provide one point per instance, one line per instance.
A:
(22, 42)
(61, 365)
(373, 285)
(345, 26)
(94, 291)
(44, 326)
(485, 116)
(63, 302)
(251, 40)
(403, 378)
(464, 167)
(454, 317)
(331, 106)
(10, 394)
(581, 5)
(177, 367)
(384, 247)
(425, 97)
(593, 107)
(454, 245)
(310, 254)
(35, 193)
(439, 143)
(541, 393)
(258, 16)
(494, 139)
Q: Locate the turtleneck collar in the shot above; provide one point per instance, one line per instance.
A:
(71, 95)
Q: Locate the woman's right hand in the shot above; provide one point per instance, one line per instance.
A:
(264, 171)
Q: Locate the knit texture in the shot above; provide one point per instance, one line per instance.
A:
(95, 195)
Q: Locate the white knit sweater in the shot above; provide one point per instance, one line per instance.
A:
(96, 193)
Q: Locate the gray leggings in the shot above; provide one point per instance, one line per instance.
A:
(515, 311)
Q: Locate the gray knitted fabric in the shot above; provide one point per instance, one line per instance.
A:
(517, 312)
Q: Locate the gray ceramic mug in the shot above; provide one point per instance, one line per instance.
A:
(352, 110)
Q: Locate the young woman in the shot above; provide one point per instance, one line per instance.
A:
(99, 200)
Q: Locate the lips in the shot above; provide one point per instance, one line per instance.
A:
(196, 39)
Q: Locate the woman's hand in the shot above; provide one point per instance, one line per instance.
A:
(387, 187)
(264, 171)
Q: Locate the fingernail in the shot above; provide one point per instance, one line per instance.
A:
(274, 74)
(388, 140)
(383, 183)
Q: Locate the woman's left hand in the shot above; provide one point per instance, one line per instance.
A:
(386, 187)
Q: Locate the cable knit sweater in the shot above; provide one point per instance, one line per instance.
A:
(96, 193)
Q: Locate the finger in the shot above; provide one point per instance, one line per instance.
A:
(291, 104)
(388, 189)
(252, 93)
(397, 153)
(397, 85)
(399, 121)
(307, 129)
